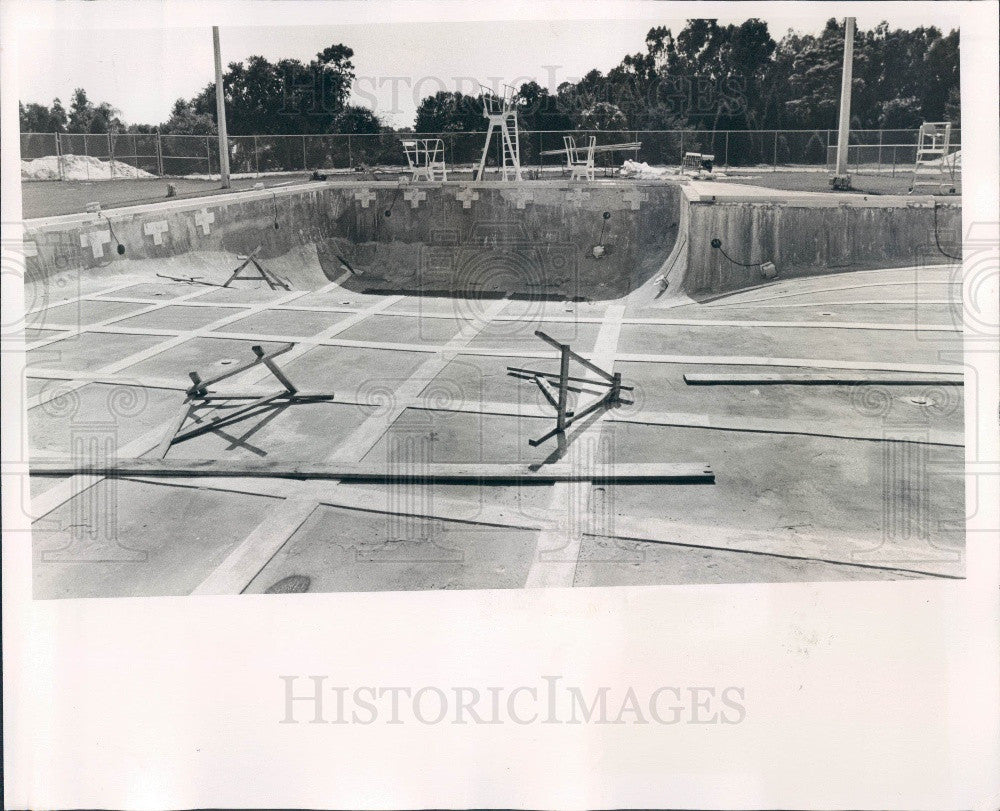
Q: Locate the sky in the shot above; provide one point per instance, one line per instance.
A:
(143, 70)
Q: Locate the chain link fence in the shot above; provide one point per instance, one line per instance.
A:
(129, 155)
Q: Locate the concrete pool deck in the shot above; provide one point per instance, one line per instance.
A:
(813, 482)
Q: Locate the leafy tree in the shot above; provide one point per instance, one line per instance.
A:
(185, 119)
(451, 112)
(35, 118)
(86, 117)
(286, 97)
(602, 116)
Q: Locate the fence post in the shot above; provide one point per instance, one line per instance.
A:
(350, 153)
(59, 158)
(208, 154)
(725, 159)
(879, 170)
(111, 155)
(256, 158)
(305, 167)
(681, 161)
(159, 153)
(774, 161)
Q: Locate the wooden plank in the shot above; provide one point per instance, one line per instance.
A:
(816, 379)
(379, 472)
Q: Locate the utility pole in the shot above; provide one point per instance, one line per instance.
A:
(840, 179)
(220, 111)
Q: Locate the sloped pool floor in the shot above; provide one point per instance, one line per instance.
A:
(812, 482)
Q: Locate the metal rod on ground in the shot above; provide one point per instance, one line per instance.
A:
(220, 111)
(843, 133)
(488, 473)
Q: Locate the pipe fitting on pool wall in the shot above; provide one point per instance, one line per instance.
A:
(768, 270)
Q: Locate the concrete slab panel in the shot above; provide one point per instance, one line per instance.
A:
(83, 313)
(816, 486)
(304, 323)
(467, 502)
(341, 297)
(347, 550)
(372, 374)
(243, 293)
(434, 305)
(155, 290)
(304, 432)
(484, 378)
(109, 415)
(776, 342)
(580, 336)
(207, 356)
(179, 317)
(404, 330)
(922, 314)
(30, 334)
(449, 436)
(89, 351)
(618, 562)
(148, 540)
(660, 387)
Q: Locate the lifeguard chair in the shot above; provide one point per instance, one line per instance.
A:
(501, 111)
(580, 159)
(934, 166)
(426, 159)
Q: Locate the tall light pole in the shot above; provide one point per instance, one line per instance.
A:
(841, 179)
(220, 111)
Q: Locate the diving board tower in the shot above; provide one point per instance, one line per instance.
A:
(501, 111)
(934, 167)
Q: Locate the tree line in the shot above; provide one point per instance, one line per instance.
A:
(705, 77)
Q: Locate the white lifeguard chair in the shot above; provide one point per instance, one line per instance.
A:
(580, 159)
(934, 167)
(501, 111)
(426, 159)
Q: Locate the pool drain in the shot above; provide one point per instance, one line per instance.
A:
(293, 584)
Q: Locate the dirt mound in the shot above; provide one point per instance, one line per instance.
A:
(79, 167)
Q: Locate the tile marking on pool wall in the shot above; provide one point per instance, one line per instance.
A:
(95, 240)
(203, 219)
(156, 230)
